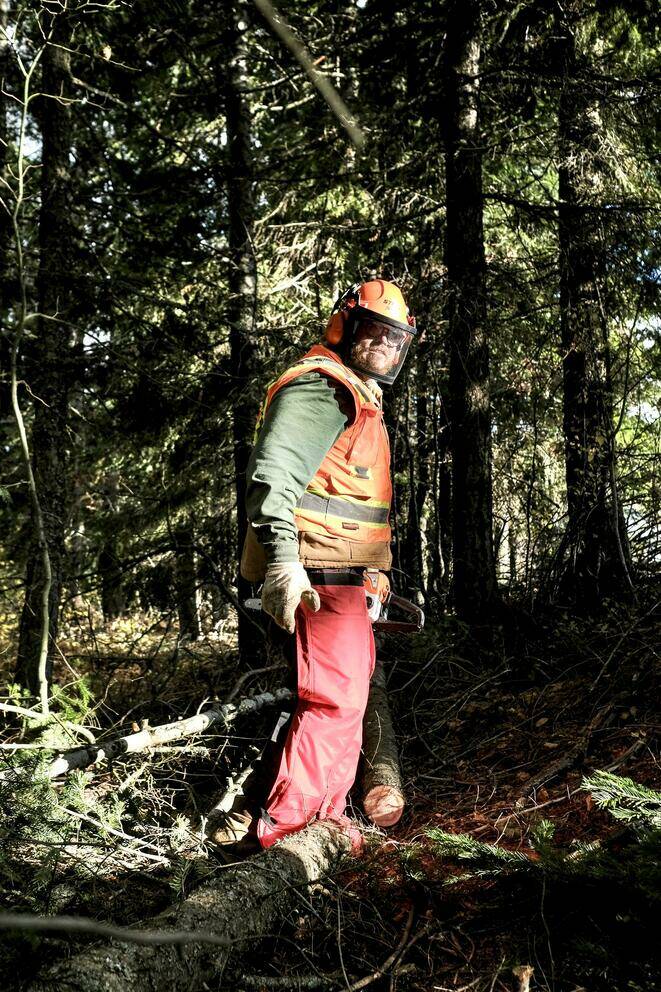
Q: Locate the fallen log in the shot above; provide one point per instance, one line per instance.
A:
(383, 795)
(150, 737)
(243, 902)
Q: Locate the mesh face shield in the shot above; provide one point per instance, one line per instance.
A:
(377, 347)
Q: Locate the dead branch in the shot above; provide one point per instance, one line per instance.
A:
(326, 90)
(40, 717)
(79, 924)
(150, 737)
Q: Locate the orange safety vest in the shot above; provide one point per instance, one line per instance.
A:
(343, 515)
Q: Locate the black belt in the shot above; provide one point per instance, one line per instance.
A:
(336, 576)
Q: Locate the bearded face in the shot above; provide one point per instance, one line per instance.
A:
(377, 347)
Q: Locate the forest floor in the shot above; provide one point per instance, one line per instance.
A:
(497, 734)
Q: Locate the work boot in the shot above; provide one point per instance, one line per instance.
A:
(225, 828)
(230, 836)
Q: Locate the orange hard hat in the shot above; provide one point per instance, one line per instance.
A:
(386, 300)
(376, 298)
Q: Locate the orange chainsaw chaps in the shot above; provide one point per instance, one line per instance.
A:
(335, 660)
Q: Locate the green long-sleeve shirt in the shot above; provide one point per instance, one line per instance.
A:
(302, 423)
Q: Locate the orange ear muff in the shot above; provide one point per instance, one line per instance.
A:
(335, 328)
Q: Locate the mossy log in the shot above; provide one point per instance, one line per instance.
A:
(243, 902)
(383, 795)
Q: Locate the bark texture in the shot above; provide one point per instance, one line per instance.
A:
(185, 581)
(474, 567)
(50, 374)
(242, 903)
(383, 794)
(243, 288)
(595, 555)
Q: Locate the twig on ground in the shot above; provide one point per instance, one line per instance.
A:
(246, 675)
(79, 924)
(393, 958)
(290, 981)
(120, 833)
(33, 715)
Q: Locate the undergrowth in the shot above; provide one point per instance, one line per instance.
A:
(515, 850)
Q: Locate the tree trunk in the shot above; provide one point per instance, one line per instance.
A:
(596, 555)
(473, 557)
(185, 584)
(5, 225)
(241, 904)
(383, 794)
(109, 563)
(411, 545)
(50, 374)
(416, 443)
(243, 289)
(113, 601)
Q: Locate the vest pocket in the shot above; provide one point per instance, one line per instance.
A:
(365, 443)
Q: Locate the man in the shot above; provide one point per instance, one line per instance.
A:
(318, 500)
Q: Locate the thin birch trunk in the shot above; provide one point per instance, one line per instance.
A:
(36, 677)
(150, 737)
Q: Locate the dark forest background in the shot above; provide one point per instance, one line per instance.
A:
(180, 207)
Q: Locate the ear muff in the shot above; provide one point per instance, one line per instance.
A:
(335, 327)
(340, 314)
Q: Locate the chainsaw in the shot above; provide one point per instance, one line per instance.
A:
(380, 602)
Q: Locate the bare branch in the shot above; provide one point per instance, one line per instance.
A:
(280, 28)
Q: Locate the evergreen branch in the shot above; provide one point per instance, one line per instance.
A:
(623, 798)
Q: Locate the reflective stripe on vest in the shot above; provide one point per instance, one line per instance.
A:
(371, 512)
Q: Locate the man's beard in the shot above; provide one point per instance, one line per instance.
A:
(377, 360)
